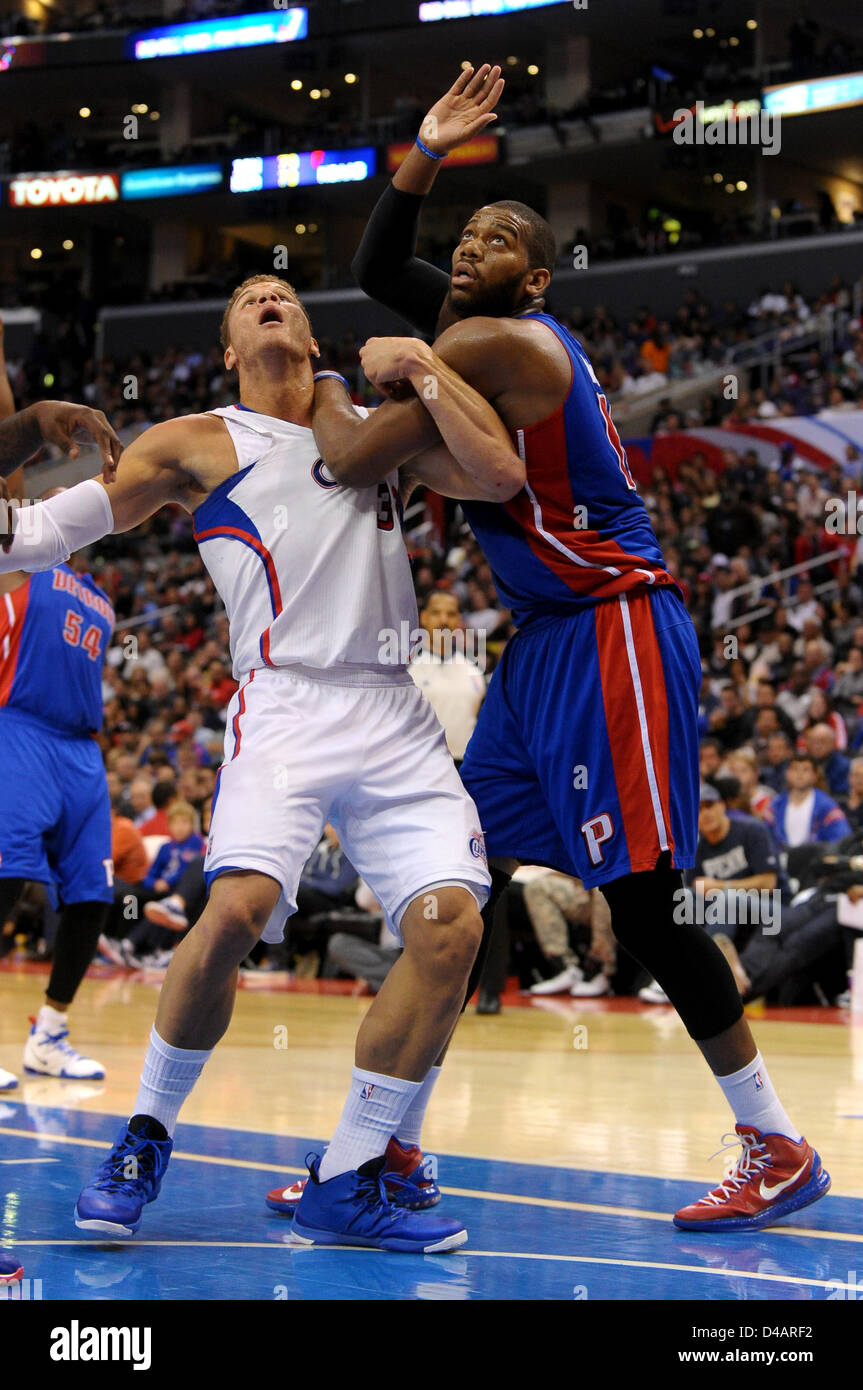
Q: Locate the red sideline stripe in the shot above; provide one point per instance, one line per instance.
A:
(257, 546)
(13, 631)
(235, 724)
(624, 730)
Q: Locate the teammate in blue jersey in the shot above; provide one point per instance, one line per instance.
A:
(585, 754)
(55, 818)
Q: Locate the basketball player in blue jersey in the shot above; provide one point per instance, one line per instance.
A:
(55, 820)
(585, 754)
(324, 727)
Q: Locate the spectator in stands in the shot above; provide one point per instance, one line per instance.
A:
(328, 882)
(184, 845)
(368, 951)
(823, 712)
(853, 802)
(554, 902)
(774, 761)
(804, 814)
(794, 697)
(452, 683)
(847, 689)
(127, 850)
(833, 766)
(766, 698)
(163, 794)
(728, 723)
(709, 757)
(139, 800)
(743, 765)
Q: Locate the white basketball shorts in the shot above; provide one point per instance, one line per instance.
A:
(370, 759)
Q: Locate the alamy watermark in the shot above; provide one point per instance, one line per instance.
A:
(844, 515)
(399, 646)
(728, 125)
(729, 907)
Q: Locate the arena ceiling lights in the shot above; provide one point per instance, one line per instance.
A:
(217, 35)
(467, 9)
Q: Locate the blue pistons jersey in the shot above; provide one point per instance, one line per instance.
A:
(585, 752)
(577, 534)
(54, 632)
(55, 814)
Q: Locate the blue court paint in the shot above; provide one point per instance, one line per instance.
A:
(210, 1236)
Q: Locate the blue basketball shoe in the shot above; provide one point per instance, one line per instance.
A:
(353, 1209)
(410, 1178)
(112, 1202)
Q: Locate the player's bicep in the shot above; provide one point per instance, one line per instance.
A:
(149, 476)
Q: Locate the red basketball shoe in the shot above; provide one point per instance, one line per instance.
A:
(11, 1268)
(772, 1177)
(410, 1177)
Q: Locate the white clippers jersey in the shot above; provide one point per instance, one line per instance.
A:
(311, 573)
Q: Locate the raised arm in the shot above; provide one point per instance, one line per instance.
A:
(150, 475)
(448, 414)
(386, 265)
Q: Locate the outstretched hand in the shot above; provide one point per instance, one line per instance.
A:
(463, 111)
(67, 425)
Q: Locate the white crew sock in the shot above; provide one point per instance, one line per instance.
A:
(751, 1096)
(410, 1129)
(168, 1077)
(373, 1113)
(51, 1020)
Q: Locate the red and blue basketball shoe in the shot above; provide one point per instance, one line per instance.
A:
(410, 1178)
(772, 1177)
(11, 1268)
(112, 1202)
(353, 1209)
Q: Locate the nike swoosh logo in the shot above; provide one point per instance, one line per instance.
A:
(768, 1193)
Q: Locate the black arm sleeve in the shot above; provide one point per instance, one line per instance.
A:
(387, 268)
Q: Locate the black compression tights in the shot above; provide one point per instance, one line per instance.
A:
(685, 961)
(75, 945)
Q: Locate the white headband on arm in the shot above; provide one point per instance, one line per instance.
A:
(49, 532)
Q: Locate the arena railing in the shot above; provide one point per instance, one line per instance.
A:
(778, 576)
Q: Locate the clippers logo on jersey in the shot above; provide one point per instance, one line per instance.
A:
(544, 558)
(367, 1092)
(54, 630)
(476, 845)
(321, 478)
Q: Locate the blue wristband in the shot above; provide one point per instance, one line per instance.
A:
(426, 151)
(338, 376)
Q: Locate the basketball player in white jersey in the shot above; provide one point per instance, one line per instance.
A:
(314, 576)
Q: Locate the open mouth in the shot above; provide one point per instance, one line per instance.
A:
(272, 314)
(463, 274)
